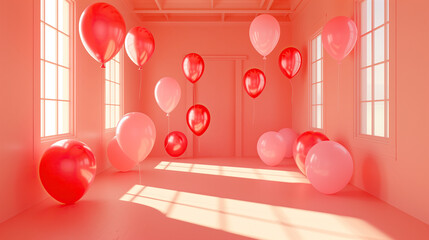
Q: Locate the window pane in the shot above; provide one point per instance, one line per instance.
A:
(112, 93)
(107, 70)
(387, 10)
(387, 119)
(366, 15)
(107, 92)
(112, 116)
(319, 116)
(366, 50)
(50, 44)
(313, 50)
(313, 116)
(313, 72)
(379, 82)
(379, 119)
(63, 50)
(116, 115)
(50, 81)
(387, 81)
(63, 117)
(366, 118)
(50, 118)
(51, 12)
(313, 94)
(42, 79)
(379, 45)
(319, 71)
(63, 16)
(107, 116)
(63, 83)
(42, 40)
(387, 42)
(42, 118)
(319, 93)
(366, 84)
(42, 10)
(378, 12)
(117, 100)
(117, 72)
(319, 47)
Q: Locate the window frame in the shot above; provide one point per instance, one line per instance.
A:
(38, 80)
(120, 54)
(381, 145)
(310, 83)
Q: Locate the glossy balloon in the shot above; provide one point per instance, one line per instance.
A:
(136, 135)
(67, 169)
(271, 148)
(290, 61)
(264, 33)
(198, 119)
(118, 158)
(102, 31)
(303, 144)
(339, 37)
(175, 143)
(167, 94)
(289, 136)
(254, 82)
(139, 44)
(193, 67)
(329, 167)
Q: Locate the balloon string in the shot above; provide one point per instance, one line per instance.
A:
(291, 95)
(140, 88)
(338, 87)
(253, 114)
(193, 94)
(168, 128)
(265, 63)
(140, 177)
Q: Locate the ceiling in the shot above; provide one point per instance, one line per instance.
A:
(213, 10)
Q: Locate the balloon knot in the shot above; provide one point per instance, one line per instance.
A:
(264, 58)
(140, 68)
(103, 66)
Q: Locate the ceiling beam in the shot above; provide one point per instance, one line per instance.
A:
(214, 11)
(160, 8)
(270, 3)
(212, 3)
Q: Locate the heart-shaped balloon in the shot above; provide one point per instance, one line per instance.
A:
(67, 169)
(140, 45)
(193, 67)
(102, 31)
(175, 143)
(198, 119)
(254, 82)
(290, 61)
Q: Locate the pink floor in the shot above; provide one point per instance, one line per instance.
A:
(213, 198)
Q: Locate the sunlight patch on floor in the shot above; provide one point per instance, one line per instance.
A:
(250, 219)
(239, 172)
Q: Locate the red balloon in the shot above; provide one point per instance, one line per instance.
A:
(254, 82)
(290, 61)
(67, 169)
(198, 119)
(193, 67)
(102, 31)
(140, 45)
(175, 143)
(303, 144)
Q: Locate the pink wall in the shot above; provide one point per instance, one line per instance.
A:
(395, 172)
(20, 147)
(220, 88)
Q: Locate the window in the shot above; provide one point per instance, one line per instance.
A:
(113, 92)
(56, 79)
(316, 82)
(373, 68)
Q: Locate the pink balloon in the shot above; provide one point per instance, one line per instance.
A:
(329, 167)
(167, 94)
(136, 135)
(339, 37)
(271, 148)
(264, 33)
(118, 158)
(289, 135)
(139, 44)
